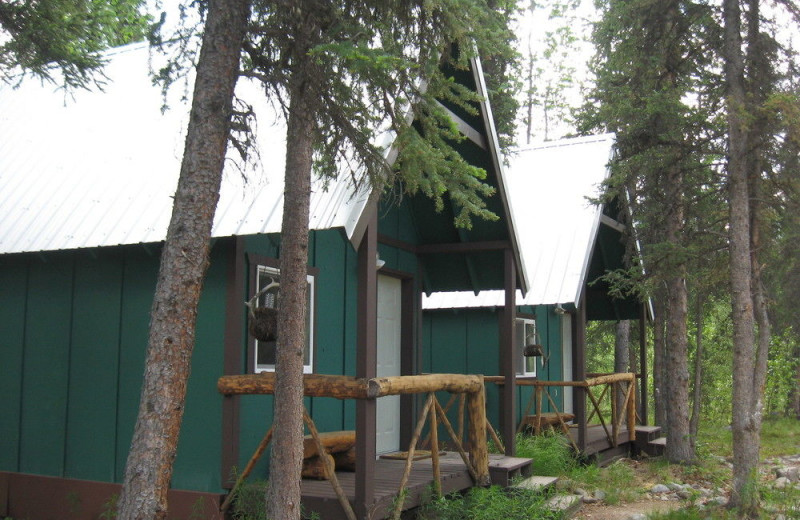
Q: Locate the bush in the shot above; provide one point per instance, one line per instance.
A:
(551, 453)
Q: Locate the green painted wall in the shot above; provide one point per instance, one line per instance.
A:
(335, 325)
(74, 333)
(466, 341)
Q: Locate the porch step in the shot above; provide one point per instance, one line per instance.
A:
(536, 483)
(567, 505)
(656, 447)
(644, 436)
(647, 433)
(502, 469)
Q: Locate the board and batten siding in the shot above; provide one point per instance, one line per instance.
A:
(336, 301)
(74, 332)
(467, 341)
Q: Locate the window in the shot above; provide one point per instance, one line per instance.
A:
(525, 333)
(264, 351)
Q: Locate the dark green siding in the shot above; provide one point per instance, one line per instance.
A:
(45, 376)
(467, 341)
(74, 333)
(94, 357)
(13, 301)
(335, 326)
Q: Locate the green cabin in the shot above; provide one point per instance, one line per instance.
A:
(85, 198)
(567, 244)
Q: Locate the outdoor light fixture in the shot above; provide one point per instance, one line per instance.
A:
(560, 310)
(378, 262)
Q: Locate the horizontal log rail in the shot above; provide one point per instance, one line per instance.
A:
(469, 388)
(623, 384)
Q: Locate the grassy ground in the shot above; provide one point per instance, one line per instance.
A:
(628, 481)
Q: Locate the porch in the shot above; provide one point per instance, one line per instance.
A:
(404, 483)
(613, 426)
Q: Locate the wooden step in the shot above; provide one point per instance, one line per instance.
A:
(647, 433)
(536, 483)
(656, 447)
(502, 469)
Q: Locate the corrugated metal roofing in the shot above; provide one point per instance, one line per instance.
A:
(100, 168)
(549, 186)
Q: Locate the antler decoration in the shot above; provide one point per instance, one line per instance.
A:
(252, 303)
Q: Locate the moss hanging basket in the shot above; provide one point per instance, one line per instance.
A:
(263, 322)
(533, 349)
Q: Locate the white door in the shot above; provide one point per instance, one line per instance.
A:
(566, 358)
(389, 333)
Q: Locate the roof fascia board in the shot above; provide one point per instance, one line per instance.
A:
(494, 152)
(465, 128)
(613, 224)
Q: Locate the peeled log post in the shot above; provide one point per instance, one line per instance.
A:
(315, 385)
(632, 411)
(478, 449)
(397, 385)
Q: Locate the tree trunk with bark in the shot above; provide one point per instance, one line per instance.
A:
(746, 419)
(622, 348)
(184, 260)
(283, 491)
(697, 390)
(676, 358)
(659, 339)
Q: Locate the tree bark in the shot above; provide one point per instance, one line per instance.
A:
(622, 348)
(746, 422)
(676, 359)
(184, 260)
(697, 390)
(659, 339)
(283, 491)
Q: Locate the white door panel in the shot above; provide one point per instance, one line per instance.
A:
(389, 346)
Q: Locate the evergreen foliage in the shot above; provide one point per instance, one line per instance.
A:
(68, 36)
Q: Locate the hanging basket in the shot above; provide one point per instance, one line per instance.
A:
(533, 349)
(263, 322)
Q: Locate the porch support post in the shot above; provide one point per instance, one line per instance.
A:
(507, 355)
(643, 364)
(366, 367)
(579, 370)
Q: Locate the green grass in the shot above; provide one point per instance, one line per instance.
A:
(551, 453)
(491, 503)
(779, 436)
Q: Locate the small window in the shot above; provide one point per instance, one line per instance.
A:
(264, 351)
(525, 332)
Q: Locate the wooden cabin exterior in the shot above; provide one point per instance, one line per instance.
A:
(567, 245)
(87, 200)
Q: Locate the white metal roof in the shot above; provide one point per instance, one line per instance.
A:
(100, 168)
(548, 187)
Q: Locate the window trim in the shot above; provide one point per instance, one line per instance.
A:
(521, 368)
(255, 264)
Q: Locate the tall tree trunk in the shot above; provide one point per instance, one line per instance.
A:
(754, 160)
(746, 422)
(184, 260)
(676, 358)
(659, 340)
(283, 492)
(622, 348)
(697, 393)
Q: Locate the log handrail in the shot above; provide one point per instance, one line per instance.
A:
(470, 388)
(611, 383)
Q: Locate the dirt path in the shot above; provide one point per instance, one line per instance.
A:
(625, 511)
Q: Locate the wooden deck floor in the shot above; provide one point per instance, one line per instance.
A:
(318, 495)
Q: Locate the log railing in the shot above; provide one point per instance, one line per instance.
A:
(469, 387)
(599, 390)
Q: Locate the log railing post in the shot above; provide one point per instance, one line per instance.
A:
(632, 410)
(478, 449)
(614, 387)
